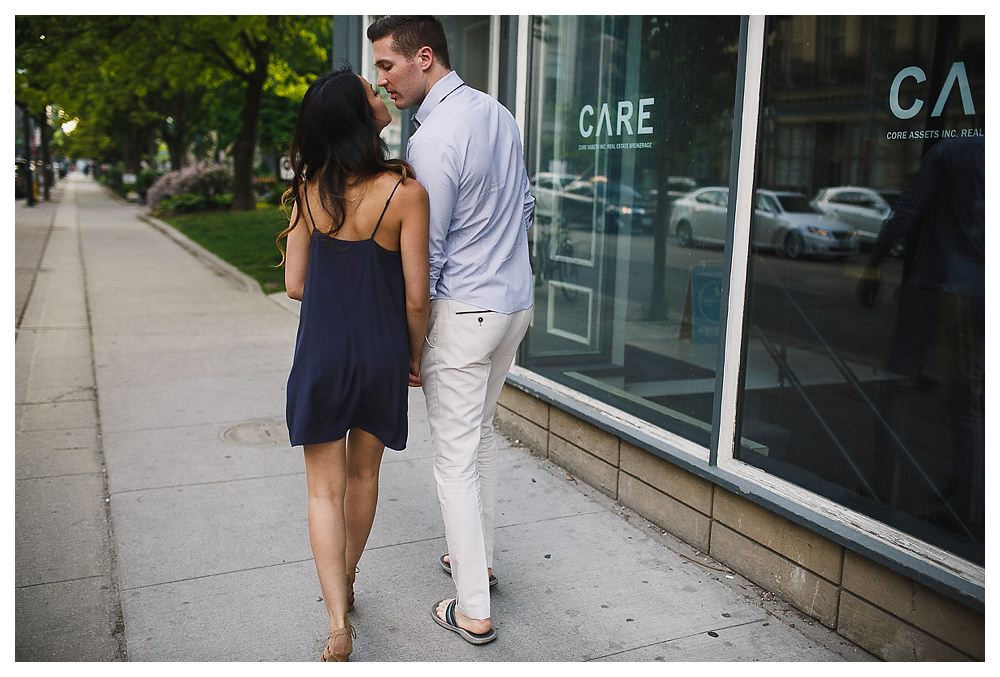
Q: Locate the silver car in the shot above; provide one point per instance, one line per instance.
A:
(783, 221)
(866, 209)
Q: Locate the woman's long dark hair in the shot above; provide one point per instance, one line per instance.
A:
(337, 143)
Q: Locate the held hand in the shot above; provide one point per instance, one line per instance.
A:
(867, 291)
(415, 381)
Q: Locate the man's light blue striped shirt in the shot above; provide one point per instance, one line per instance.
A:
(467, 153)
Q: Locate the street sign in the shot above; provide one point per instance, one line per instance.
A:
(286, 169)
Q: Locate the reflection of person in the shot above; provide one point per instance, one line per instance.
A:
(938, 340)
(467, 152)
(357, 259)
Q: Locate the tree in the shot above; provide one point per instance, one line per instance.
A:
(134, 79)
(255, 51)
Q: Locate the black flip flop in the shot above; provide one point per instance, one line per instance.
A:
(447, 569)
(449, 623)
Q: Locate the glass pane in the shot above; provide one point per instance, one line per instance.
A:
(872, 399)
(628, 117)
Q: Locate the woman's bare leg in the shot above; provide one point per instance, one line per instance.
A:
(364, 457)
(326, 480)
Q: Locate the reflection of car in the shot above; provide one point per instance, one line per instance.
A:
(546, 187)
(783, 221)
(620, 201)
(863, 208)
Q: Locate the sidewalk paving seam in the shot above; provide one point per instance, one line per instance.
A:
(680, 637)
(58, 400)
(219, 573)
(211, 482)
(67, 580)
(113, 574)
(52, 477)
(65, 327)
(498, 528)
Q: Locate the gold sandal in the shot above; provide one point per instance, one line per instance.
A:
(337, 654)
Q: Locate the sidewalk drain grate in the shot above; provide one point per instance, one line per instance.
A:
(260, 433)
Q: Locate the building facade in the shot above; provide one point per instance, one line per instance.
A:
(759, 293)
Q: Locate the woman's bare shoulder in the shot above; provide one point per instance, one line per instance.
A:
(411, 190)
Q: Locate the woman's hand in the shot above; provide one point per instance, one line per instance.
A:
(415, 381)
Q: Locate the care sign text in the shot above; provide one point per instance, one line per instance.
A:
(597, 122)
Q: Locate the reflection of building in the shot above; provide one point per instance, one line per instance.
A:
(826, 87)
(747, 424)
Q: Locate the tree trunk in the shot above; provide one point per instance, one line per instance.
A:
(28, 179)
(177, 147)
(46, 132)
(246, 141)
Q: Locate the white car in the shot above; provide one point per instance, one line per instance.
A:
(865, 209)
(783, 221)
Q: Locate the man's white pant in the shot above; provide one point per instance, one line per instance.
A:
(465, 363)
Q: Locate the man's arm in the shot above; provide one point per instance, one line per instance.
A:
(438, 171)
(529, 203)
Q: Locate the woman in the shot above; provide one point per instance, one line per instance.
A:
(357, 259)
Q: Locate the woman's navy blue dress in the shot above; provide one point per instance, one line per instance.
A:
(351, 362)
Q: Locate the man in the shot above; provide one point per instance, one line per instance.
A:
(466, 151)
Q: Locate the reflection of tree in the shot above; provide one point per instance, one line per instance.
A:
(692, 75)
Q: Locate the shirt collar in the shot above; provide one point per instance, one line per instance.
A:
(441, 89)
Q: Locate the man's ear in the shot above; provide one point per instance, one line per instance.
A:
(424, 57)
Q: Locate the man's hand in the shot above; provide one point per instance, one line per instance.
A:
(415, 381)
(867, 291)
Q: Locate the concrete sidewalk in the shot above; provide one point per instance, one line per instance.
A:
(207, 551)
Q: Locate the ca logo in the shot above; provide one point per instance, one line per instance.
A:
(956, 75)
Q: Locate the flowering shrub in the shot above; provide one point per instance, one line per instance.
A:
(201, 178)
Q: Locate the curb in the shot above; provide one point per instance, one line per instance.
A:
(223, 268)
(281, 298)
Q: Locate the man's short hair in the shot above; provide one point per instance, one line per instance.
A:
(410, 33)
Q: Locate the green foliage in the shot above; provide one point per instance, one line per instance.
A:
(193, 202)
(130, 80)
(182, 203)
(145, 179)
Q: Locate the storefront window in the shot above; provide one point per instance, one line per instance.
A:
(864, 355)
(629, 124)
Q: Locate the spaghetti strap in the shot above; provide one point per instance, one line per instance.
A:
(305, 195)
(386, 207)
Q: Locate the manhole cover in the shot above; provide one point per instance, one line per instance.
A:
(265, 433)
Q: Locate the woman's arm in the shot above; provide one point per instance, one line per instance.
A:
(296, 257)
(415, 210)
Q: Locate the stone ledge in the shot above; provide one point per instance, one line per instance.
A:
(684, 522)
(591, 439)
(587, 467)
(888, 637)
(806, 548)
(524, 405)
(533, 437)
(667, 478)
(916, 604)
(801, 588)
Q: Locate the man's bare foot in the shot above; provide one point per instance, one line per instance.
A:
(475, 625)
